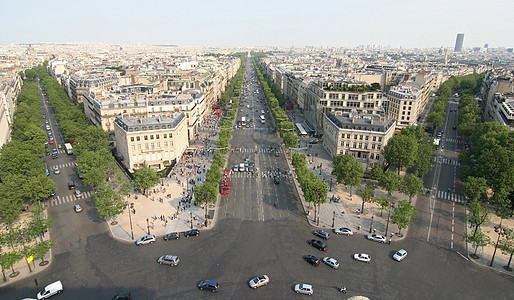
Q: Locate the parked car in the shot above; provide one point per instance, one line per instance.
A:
(193, 232)
(171, 260)
(331, 262)
(322, 234)
(377, 238)
(313, 260)
(343, 230)
(400, 255)
(258, 281)
(362, 257)
(77, 208)
(303, 288)
(172, 236)
(147, 239)
(50, 290)
(209, 285)
(318, 244)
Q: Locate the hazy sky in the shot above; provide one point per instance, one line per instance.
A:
(406, 23)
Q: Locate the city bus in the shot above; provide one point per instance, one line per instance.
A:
(301, 130)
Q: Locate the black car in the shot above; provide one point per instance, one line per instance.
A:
(172, 236)
(209, 285)
(122, 296)
(318, 245)
(276, 180)
(71, 185)
(193, 232)
(313, 260)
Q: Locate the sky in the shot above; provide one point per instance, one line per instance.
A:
(280, 23)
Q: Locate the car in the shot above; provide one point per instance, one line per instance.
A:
(209, 285)
(276, 180)
(52, 193)
(362, 257)
(322, 234)
(147, 239)
(454, 127)
(400, 255)
(303, 288)
(318, 244)
(343, 230)
(71, 185)
(251, 169)
(56, 170)
(77, 208)
(277, 154)
(50, 290)
(78, 194)
(171, 260)
(376, 238)
(122, 296)
(193, 232)
(59, 146)
(313, 260)
(258, 281)
(51, 141)
(331, 262)
(313, 141)
(171, 236)
(235, 168)
(54, 155)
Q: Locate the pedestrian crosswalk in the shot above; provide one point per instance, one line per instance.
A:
(450, 196)
(254, 175)
(447, 161)
(57, 200)
(259, 150)
(456, 141)
(66, 165)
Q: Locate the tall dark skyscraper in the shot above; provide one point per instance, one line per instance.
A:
(459, 42)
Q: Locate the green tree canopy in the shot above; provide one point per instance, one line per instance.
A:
(404, 214)
(400, 151)
(145, 178)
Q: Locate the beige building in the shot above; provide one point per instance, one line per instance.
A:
(154, 141)
(363, 136)
(404, 105)
(10, 87)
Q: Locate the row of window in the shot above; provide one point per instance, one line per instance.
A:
(151, 137)
(361, 137)
(151, 146)
(363, 155)
(354, 96)
(361, 145)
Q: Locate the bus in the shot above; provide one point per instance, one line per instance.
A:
(225, 182)
(301, 130)
(68, 148)
(263, 120)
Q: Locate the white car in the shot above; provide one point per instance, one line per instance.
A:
(303, 289)
(171, 260)
(362, 257)
(147, 239)
(343, 230)
(56, 170)
(377, 238)
(400, 255)
(331, 262)
(258, 281)
(77, 208)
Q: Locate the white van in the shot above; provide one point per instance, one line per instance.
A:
(241, 167)
(50, 290)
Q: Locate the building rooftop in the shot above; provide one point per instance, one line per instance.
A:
(151, 123)
(365, 122)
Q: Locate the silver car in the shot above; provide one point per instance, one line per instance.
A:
(258, 281)
(147, 239)
(331, 262)
(376, 238)
(171, 260)
(400, 255)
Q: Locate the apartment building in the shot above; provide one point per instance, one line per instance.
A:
(362, 135)
(80, 86)
(10, 86)
(404, 105)
(154, 141)
(497, 93)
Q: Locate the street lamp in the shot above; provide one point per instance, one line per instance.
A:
(330, 186)
(371, 225)
(148, 226)
(333, 219)
(388, 213)
(130, 219)
(191, 218)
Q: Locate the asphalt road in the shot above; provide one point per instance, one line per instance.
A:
(253, 237)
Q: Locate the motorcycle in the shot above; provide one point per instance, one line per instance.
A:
(342, 289)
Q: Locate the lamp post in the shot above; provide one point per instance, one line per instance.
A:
(148, 226)
(130, 219)
(388, 213)
(191, 218)
(371, 225)
(333, 219)
(497, 241)
(330, 186)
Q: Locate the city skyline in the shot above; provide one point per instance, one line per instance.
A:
(395, 23)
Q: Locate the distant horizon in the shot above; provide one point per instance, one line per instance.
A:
(268, 23)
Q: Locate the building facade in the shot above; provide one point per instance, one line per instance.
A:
(154, 142)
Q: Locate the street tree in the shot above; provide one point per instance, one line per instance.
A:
(390, 182)
(145, 178)
(384, 202)
(478, 215)
(38, 187)
(108, 202)
(404, 215)
(347, 170)
(424, 156)
(40, 249)
(367, 193)
(475, 187)
(435, 119)
(412, 185)
(506, 245)
(478, 239)
(376, 173)
(400, 151)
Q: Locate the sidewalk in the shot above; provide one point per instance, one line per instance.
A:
(21, 269)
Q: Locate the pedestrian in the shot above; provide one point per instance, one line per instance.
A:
(359, 227)
(134, 211)
(35, 281)
(389, 241)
